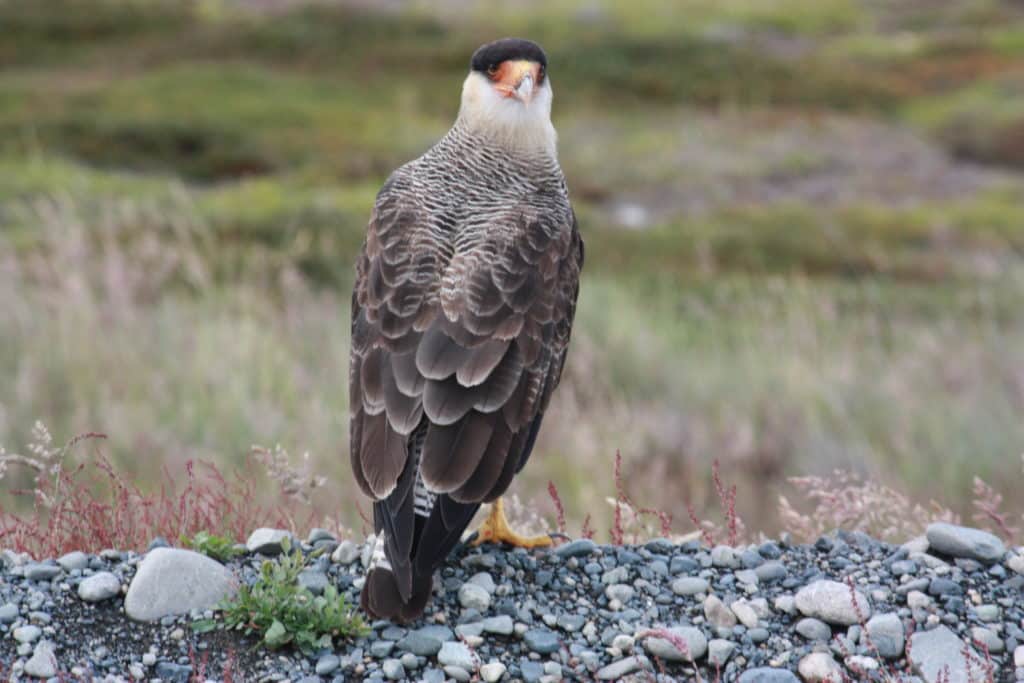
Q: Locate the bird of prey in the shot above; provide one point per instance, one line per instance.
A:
(463, 304)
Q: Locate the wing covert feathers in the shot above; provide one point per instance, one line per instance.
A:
(458, 340)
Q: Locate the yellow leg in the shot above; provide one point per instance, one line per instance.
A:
(495, 529)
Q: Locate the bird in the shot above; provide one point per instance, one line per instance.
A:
(462, 309)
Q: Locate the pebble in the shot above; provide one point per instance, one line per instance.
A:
(987, 638)
(819, 667)
(492, 672)
(100, 586)
(73, 560)
(327, 665)
(8, 612)
(43, 663)
(27, 634)
(346, 553)
(766, 674)
(745, 613)
(719, 651)
(666, 649)
(171, 581)
(717, 613)
(621, 592)
(833, 602)
(960, 541)
(772, 571)
(724, 556)
(501, 625)
(456, 654)
(690, 585)
(313, 580)
(932, 652)
(814, 629)
(581, 547)
(617, 670)
(887, 635)
(269, 541)
(473, 596)
(542, 641)
(393, 670)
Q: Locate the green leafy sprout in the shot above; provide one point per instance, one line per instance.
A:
(220, 548)
(286, 613)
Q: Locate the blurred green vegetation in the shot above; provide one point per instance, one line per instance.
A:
(804, 226)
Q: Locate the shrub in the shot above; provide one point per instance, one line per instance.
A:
(285, 613)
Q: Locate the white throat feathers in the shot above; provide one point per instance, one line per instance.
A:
(508, 121)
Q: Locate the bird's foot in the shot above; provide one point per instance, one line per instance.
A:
(496, 529)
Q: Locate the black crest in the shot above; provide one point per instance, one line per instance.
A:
(493, 54)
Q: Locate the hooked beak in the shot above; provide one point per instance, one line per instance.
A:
(518, 79)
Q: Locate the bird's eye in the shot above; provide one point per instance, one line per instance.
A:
(540, 74)
(492, 70)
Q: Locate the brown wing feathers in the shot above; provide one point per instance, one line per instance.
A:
(464, 373)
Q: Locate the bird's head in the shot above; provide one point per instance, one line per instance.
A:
(507, 94)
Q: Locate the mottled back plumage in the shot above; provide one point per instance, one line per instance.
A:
(461, 314)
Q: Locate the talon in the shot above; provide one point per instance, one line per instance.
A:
(496, 529)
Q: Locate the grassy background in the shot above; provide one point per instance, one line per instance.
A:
(804, 225)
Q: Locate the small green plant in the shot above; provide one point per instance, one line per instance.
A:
(220, 548)
(286, 613)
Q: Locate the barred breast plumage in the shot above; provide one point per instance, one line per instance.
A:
(461, 314)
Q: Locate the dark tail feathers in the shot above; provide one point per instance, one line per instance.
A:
(381, 598)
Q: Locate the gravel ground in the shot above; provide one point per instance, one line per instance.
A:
(839, 609)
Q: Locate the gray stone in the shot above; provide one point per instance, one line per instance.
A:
(501, 625)
(581, 547)
(690, 585)
(73, 560)
(541, 641)
(492, 672)
(935, 653)
(622, 592)
(747, 576)
(725, 556)
(99, 586)
(887, 634)
(1018, 656)
(745, 613)
(764, 674)
(347, 552)
(317, 534)
(617, 670)
(814, 629)
(988, 638)
(27, 634)
(819, 667)
(1016, 563)
(717, 613)
(169, 671)
(456, 654)
(393, 670)
(571, 622)
(381, 648)
(172, 581)
(420, 642)
(8, 612)
(719, 651)
(41, 572)
(833, 602)
(457, 673)
(43, 663)
(313, 580)
(987, 613)
(327, 665)
(473, 596)
(484, 580)
(269, 541)
(961, 541)
(667, 649)
(771, 571)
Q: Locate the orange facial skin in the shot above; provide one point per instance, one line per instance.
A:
(508, 78)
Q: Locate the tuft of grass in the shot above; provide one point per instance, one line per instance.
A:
(220, 548)
(283, 613)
